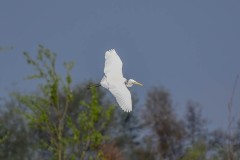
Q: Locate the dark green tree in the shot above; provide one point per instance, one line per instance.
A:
(197, 151)
(194, 123)
(125, 129)
(167, 131)
(195, 133)
(15, 143)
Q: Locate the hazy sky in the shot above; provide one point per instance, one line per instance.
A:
(192, 48)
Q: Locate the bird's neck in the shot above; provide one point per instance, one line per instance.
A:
(128, 84)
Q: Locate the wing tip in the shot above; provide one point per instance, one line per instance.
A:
(127, 110)
(111, 51)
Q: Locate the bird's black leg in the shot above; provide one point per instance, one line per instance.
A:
(93, 85)
(97, 85)
(128, 116)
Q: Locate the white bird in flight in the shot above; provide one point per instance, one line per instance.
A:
(114, 81)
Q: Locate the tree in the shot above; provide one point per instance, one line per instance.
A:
(196, 146)
(194, 122)
(62, 135)
(16, 144)
(166, 128)
(236, 143)
(217, 144)
(3, 137)
(124, 131)
(111, 152)
(196, 152)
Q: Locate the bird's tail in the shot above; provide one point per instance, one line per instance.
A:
(93, 85)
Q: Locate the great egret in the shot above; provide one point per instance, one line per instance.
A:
(114, 81)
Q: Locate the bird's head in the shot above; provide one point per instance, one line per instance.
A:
(131, 82)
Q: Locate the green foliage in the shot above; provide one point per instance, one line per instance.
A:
(3, 134)
(65, 123)
(15, 142)
(196, 152)
(63, 136)
(45, 112)
(87, 131)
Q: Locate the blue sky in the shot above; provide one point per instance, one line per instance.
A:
(189, 47)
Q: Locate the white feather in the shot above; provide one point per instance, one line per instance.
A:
(114, 80)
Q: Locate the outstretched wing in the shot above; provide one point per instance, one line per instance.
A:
(113, 64)
(114, 80)
(122, 95)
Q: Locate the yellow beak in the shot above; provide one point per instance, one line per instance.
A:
(137, 83)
